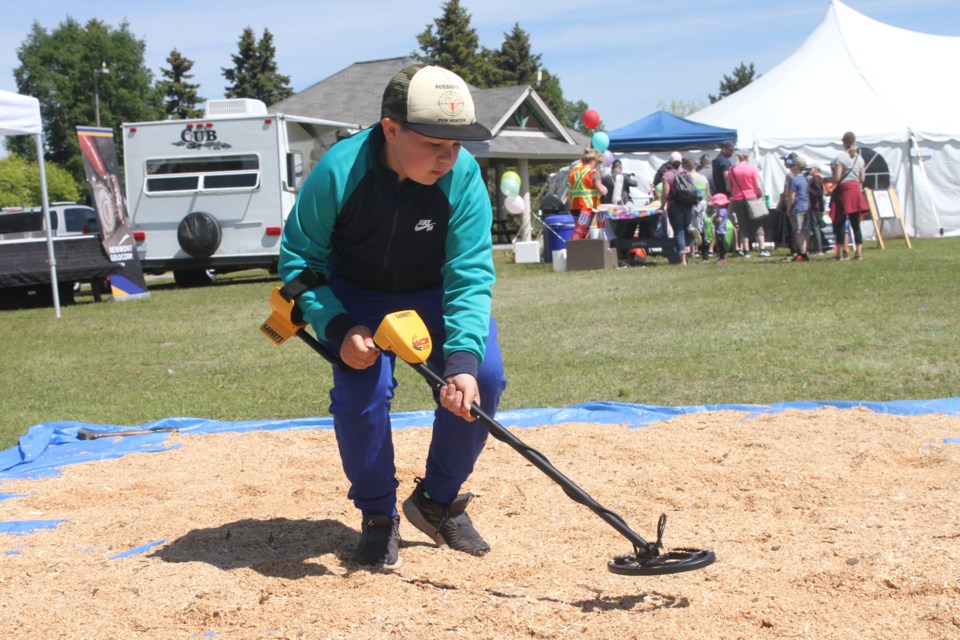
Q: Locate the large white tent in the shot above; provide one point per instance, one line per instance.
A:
(892, 87)
(20, 116)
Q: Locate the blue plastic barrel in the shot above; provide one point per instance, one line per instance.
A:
(558, 234)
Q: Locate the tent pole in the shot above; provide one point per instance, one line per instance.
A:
(47, 225)
(926, 181)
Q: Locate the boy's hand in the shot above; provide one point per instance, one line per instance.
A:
(459, 394)
(358, 350)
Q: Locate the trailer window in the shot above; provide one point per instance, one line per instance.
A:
(212, 173)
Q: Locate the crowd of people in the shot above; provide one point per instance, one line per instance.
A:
(729, 212)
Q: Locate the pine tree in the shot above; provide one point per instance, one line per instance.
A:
(241, 75)
(515, 60)
(180, 96)
(271, 85)
(254, 73)
(742, 76)
(453, 44)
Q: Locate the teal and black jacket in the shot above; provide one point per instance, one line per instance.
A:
(353, 220)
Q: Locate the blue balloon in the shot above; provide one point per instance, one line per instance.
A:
(601, 141)
(509, 187)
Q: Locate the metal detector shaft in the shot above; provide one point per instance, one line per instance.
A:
(322, 350)
(541, 462)
(500, 432)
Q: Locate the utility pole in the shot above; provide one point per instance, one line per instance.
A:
(96, 90)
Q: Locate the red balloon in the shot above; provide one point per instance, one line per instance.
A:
(591, 119)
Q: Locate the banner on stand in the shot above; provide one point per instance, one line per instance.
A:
(103, 175)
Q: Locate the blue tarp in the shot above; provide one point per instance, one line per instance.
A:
(47, 447)
(662, 131)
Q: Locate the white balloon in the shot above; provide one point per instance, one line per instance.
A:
(514, 204)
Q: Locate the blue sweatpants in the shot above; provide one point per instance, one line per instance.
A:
(360, 406)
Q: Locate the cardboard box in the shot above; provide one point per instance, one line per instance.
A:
(525, 252)
(583, 255)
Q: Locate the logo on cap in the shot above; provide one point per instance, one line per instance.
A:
(451, 103)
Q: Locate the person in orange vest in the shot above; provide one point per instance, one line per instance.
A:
(585, 189)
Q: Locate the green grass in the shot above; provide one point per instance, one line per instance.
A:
(751, 331)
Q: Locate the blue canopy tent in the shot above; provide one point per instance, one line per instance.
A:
(662, 131)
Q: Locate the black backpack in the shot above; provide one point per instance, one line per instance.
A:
(684, 190)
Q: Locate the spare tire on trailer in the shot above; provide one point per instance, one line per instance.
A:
(199, 234)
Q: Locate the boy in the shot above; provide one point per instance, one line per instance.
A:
(398, 217)
(717, 212)
(815, 190)
(798, 206)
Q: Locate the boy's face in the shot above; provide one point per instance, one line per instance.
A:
(416, 157)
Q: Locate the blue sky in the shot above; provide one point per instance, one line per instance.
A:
(621, 58)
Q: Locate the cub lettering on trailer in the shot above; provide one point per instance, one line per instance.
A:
(198, 135)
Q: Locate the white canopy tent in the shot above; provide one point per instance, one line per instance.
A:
(890, 86)
(20, 116)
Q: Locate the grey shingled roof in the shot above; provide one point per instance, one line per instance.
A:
(354, 94)
(535, 149)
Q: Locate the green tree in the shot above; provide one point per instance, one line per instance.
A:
(20, 183)
(254, 73)
(180, 96)
(681, 108)
(57, 67)
(453, 44)
(241, 75)
(742, 76)
(487, 73)
(515, 59)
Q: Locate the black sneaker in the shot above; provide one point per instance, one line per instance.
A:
(379, 542)
(447, 525)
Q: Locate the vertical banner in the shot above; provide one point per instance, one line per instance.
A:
(103, 175)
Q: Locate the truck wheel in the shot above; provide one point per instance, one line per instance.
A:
(194, 277)
(199, 234)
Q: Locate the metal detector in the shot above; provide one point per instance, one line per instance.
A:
(405, 334)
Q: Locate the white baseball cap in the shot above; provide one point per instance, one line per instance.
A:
(434, 102)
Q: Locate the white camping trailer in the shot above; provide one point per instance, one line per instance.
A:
(211, 194)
